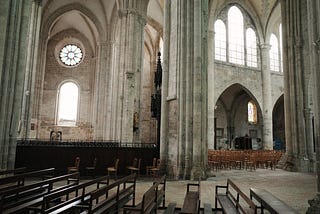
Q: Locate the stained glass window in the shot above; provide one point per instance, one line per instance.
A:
(252, 112)
(71, 55)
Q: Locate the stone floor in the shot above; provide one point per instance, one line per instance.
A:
(292, 187)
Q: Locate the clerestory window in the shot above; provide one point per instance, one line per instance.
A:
(274, 53)
(220, 40)
(232, 42)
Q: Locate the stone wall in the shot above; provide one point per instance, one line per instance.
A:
(55, 74)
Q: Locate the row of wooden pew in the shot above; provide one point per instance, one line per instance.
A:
(232, 200)
(65, 193)
(244, 159)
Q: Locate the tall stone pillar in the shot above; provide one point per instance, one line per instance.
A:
(314, 35)
(296, 76)
(132, 19)
(15, 75)
(184, 96)
(266, 96)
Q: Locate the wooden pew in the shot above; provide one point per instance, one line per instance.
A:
(21, 198)
(191, 203)
(233, 200)
(73, 197)
(161, 191)
(19, 179)
(111, 198)
(148, 203)
(13, 171)
(270, 202)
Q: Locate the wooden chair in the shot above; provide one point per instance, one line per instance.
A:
(156, 170)
(154, 165)
(75, 168)
(113, 169)
(91, 170)
(135, 167)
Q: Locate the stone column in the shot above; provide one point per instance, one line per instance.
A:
(266, 96)
(295, 77)
(184, 96)
(132, 18)
(314, 35)
(15, 34)
(99, 103)
(164, 90)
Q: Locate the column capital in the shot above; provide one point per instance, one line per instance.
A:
(265, 46)
(134, 7)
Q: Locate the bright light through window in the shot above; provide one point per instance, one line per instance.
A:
(220, 41)
(280, 38)
(252, 112)
(251, 48)
(68, 104)
(236, 37)
(274, 53)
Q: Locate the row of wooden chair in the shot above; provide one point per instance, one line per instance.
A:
(113, 170)
(246, 159)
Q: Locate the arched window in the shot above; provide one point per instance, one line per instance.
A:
(235, 35)
(68, 95)
(251, 40)
(161, 49)
(280, 38)
(220, 41)
(274, 53)
(252, 113)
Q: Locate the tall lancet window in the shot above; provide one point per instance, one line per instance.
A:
(280, 38)
(236, 36)
(220, 41)
(274, 53)
(252, 113)
(251, 43)
(68, 96)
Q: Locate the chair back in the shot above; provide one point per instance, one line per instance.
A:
(135, 162)
(158, 163)
(139, 163)
(154, 162)
(77, 162)
(116, 164)
(95, 161)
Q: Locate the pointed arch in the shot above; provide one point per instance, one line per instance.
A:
(220, 41)
(236, 40)
(67, 104)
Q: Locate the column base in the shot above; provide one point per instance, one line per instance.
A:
(314, 205)
(198, 172)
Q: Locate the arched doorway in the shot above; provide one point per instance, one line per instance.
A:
(278, 124)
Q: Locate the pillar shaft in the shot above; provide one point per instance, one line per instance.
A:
(184, 97)
(132, 18)
(266, 96)
(15, 18)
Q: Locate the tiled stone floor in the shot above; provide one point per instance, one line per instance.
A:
(294, 188)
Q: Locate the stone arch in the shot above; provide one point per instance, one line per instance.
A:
(215, 10)
(278, 123)
(233, 102)
(274, 19)
(47, 24)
